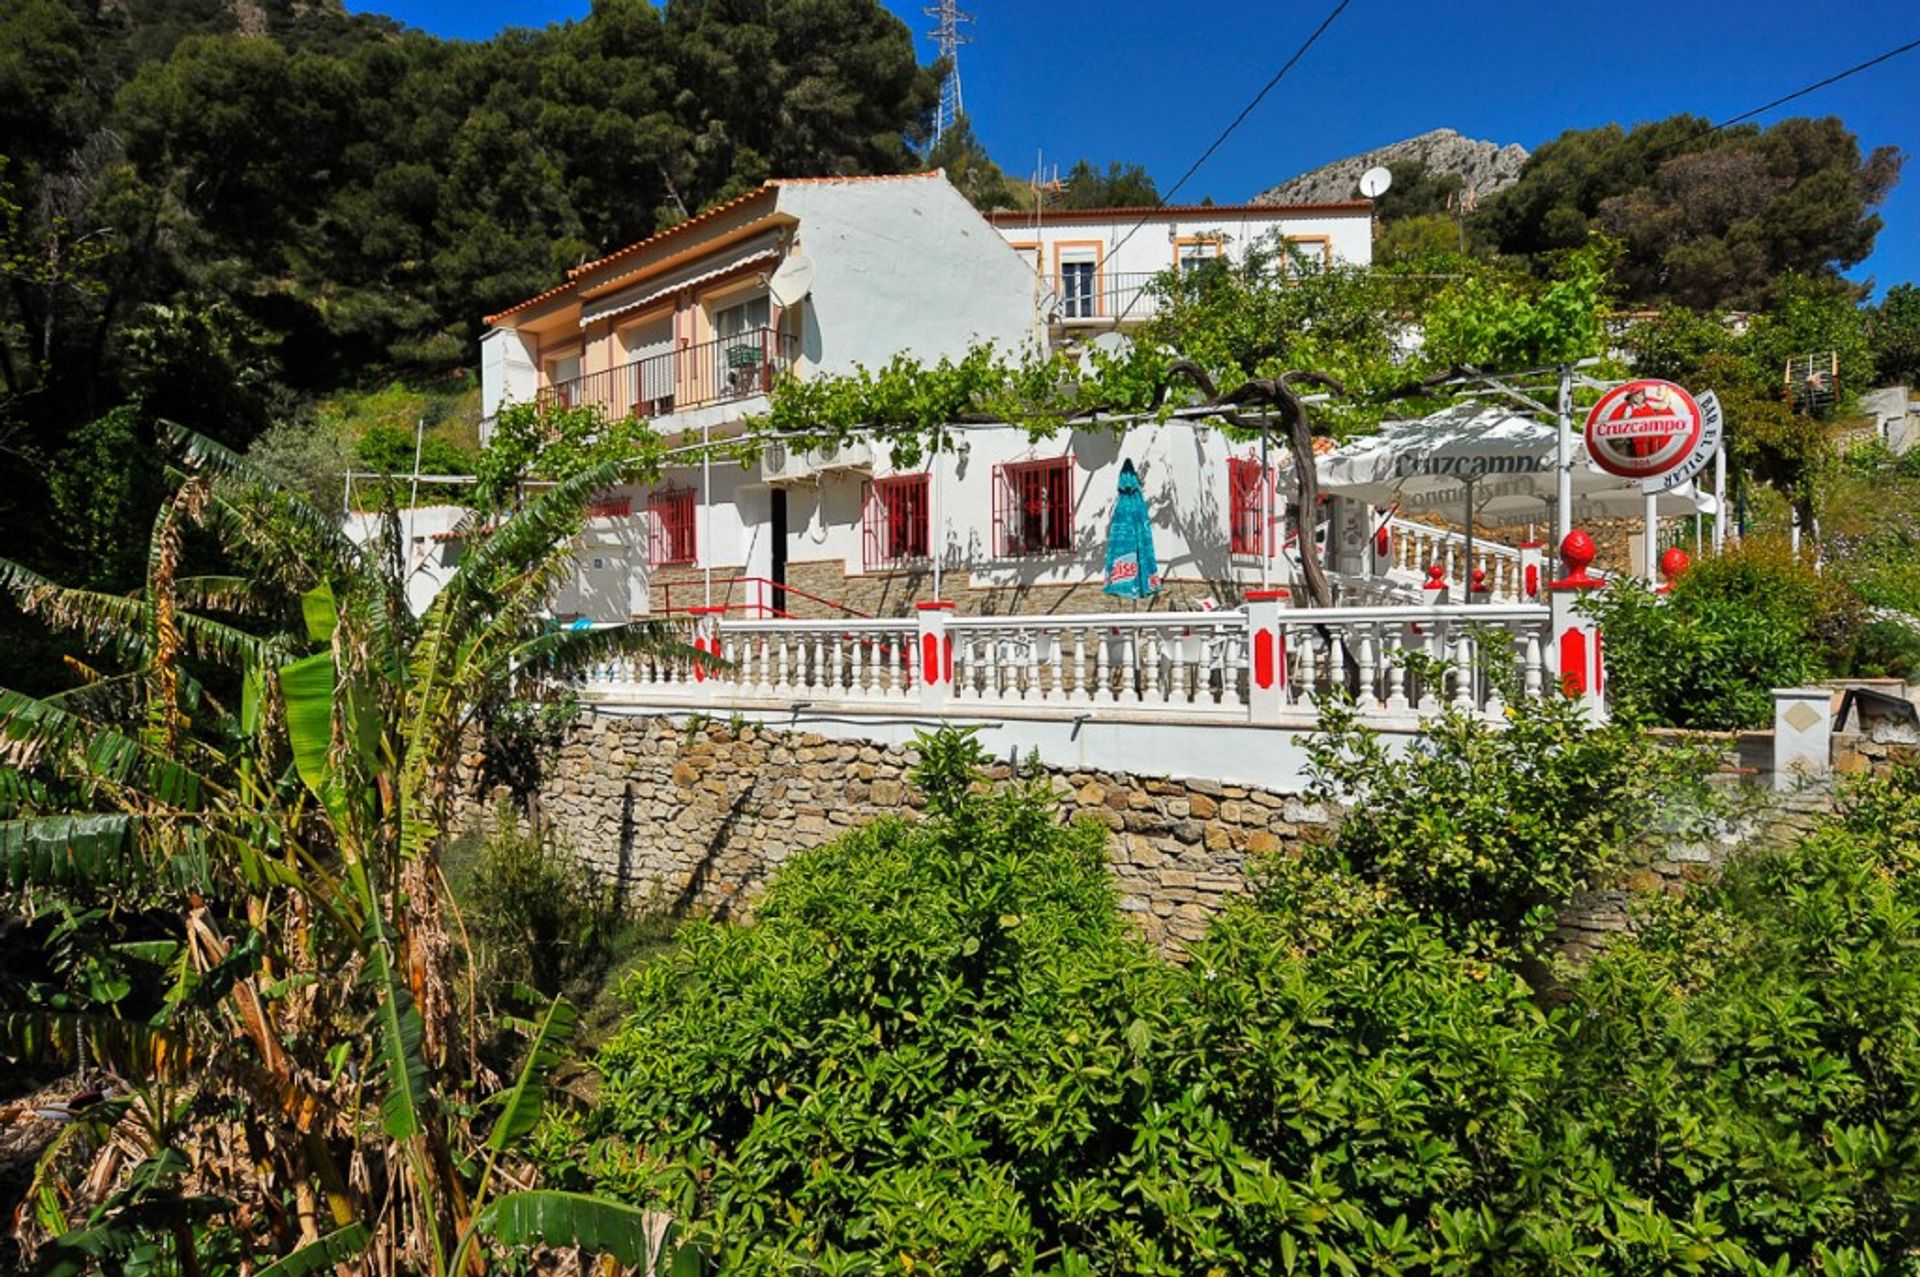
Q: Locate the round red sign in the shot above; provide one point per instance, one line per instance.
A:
(1643, 429)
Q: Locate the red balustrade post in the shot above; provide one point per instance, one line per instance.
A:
(1267, 656)
(933, 659)
(1578, 660)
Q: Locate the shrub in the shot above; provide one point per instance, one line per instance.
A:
(1482, 830)
(1735, 627)
(942, 1048)
(1752, 1060)
(537, 915)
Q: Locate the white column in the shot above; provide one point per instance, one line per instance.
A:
(1267, 655)
(1802, 736)
(933, 662)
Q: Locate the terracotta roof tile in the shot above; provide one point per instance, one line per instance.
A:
(1013, 217)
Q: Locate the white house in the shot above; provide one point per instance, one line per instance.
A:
(1094, 266)
(811, 276)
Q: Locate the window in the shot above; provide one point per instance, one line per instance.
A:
(563, 376)
(670, 527)
(896, 521)
(743, 317)
(1191, 254)
(1077, 294)
(1033, 507)
(1248, 508)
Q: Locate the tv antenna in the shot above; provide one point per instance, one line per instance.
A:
(948, 19)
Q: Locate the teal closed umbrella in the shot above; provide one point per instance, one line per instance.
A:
(1132, 570)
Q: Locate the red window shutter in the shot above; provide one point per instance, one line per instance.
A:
(1060, 504)
(872, 508)
(1001, 498)
(670, 533)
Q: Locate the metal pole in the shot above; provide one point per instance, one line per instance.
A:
(937, 536)
(1466, 568)
(1720, 498)
(1266, 515)
(706, 510)
(1563, 460)
(413, 501)
(1653, 538)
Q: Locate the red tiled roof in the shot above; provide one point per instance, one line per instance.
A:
(1013, 217)
(857, 177)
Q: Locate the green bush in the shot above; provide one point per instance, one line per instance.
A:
(1483, 831)
(940, 1048)
(537, 915)
(1752, 1060)
(1735, 627)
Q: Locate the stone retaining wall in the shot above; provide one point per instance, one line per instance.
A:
(693, 818)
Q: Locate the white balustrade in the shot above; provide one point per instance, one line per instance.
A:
(1396, 662)
(1417, 546)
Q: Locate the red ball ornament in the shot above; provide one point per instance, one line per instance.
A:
(1674, 563)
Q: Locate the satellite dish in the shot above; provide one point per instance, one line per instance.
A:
(792, 281)
(1375, 181)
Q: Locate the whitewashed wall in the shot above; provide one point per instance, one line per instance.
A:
(507, 371)
(1152, 248)
(904, 267)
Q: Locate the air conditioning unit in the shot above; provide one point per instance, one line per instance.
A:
(855, 456)
(781, 466)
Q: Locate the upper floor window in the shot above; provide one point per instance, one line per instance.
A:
(897, 521)
(1078, 289)
(1195, 252)
(743, 317)
(670, 523)
(563, 374)
(1033, 507)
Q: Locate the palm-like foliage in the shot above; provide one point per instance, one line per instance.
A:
(261, 770)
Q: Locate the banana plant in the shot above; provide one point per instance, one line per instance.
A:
(246, 792)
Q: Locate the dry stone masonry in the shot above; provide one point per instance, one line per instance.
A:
(693, 816)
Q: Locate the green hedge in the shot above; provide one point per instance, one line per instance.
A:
(941, 1048)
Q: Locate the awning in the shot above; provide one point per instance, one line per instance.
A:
(761, 248)
(1501, 460)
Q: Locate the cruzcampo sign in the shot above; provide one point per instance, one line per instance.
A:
(1712, 427)
(1644, 429)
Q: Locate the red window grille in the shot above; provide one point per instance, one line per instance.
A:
(670, 527)
(1033, 507)
(896, 521)
(1250, 511)
(610, 508)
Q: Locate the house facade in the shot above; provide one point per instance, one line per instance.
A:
(1094, 267)
(690, 327)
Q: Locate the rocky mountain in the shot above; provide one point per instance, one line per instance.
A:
(1486, 166)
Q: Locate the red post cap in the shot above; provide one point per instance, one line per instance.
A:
(1436, 577)
(1674, 563)
(1267, 596)
(1576, 553)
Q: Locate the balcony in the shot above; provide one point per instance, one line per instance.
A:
(717, 371)
(1106, 297)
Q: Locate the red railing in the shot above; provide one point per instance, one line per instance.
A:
(758, 606)
(716, 371)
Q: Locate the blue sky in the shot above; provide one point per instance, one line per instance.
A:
(1153, 83)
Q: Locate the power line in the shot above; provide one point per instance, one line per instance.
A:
(1890, 54)
(1237, 121)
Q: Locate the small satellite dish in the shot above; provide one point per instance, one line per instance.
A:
(792, 280)
(1375, 181)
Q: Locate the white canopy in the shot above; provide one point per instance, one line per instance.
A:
(1500, 460)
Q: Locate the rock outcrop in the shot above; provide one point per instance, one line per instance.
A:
(1486, 166)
